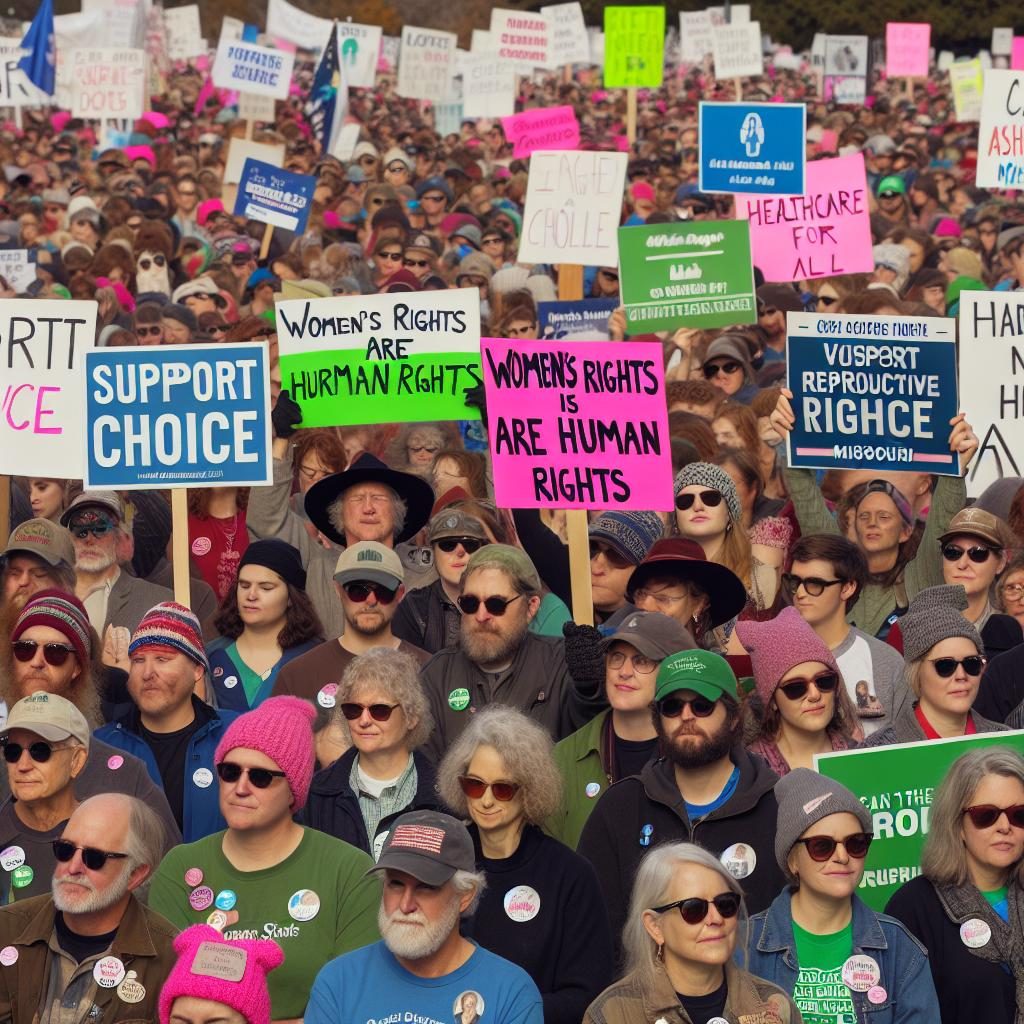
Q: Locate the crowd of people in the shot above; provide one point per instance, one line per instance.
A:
(382, 767)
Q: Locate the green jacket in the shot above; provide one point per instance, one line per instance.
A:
(579, 759)
(877, 603)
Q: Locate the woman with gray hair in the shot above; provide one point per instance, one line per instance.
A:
(685, 920)
(381, 703)
(967, 905)
(542, 908)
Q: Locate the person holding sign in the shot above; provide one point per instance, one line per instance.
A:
(967, 905)
(818, 940)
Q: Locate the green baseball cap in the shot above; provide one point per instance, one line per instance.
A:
(892, 185)
(701, 671)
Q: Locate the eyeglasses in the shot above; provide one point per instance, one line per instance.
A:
(468, 544)
(986, 815)
(96, 529)
(821, 848)
(672, 707)
(945, 667)
(39, 751)
(615, 558)
(495, 605)
(432, 198)
(415, 263)
(796, 689)
(714, 369)
(640, 662)
(261, 778)
(393, 256)
(359, 592)
(378, 712)
(709, 499)
(475, 788)
(661, 600)
(1013, 590)
(55, 654)
(92, 858)
(814, 586)
(979, 555)
(158, 259)
(695, 910)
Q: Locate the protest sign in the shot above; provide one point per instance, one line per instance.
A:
(1002, 42)
(177, 416)
(824, 232)
(578, 424)
(906, 49)
(488, 86)
(254, 108)
(184, 34)
(1001, 133)
(286, 21)
(17, 268)
(426, 65)
(448, 117)
(595, 36)
(273, 196)
(581, 320)
(42, 347)
(897, 785)
(251, 68)
(123, 22)
(241, 150)
(567, 40)
(108, 83)
(756, 148)
(848, 91)
(520, 37)
(1017, 53)
(573, 203)
(846, 55)
(992, 383)
(16, 89)
(359, 46)
(692, 274)
(696, 36)
(739, 14)
(481, 41)
(634, 47)
(381, 358)
(966, 78)
(542, 128)
(872, 392)
(80, 31)
(737, 50)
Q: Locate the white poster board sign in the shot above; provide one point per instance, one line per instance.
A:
(108, 83)
(1000, 150)
(184, 35)
(240, 150)
(738, 51)
(568, 42)
(251, 68)
(426, 64)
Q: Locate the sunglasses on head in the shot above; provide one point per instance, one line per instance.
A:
(54, 653)
(146, 263)
(814, 586)
(475, 788)
(469, 603)
(821, 848)
(144, 332)
(261, 778)
(378, 712)
(714, 369)
(986, 815)
(615, 559)
(979, 555)
(709, 499)
(359, 592)
(945, 667)
(92, 858)
(96, 529)
(468, 544)
(695, 909)
(40, 752)
(796, 689)
(672, 707)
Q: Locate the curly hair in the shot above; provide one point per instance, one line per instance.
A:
(471, 465)
(301, 622)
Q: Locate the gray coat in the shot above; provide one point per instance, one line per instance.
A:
(907, 729)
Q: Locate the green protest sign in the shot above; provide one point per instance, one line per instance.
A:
(634, 47)
(687, 275)
(897, 785)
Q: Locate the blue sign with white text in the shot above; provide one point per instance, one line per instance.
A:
(753, 148)
(582, 320)
(272, 196)
(178, 416)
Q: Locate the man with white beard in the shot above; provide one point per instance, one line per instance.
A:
(91, 946)
(423, 968)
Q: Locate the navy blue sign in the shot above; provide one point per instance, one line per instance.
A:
(178, 416)
(584, 320)
(872, 392)
(753, 148)
(272, 196)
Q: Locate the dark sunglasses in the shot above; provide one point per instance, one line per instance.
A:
(475, 788)
(92, 858)
(615, 559)
(144, 332)
(986, 815)
(767, 311)
(55, 654)
(814, 586)
(709, 499)
(415, 263)
(945, 667)
(218, 328)
(146, 263)
(432, 199)
(821, 848)
(468, 544)
(394, 256)
(96, 529)
(827, 300)
(39, 751)
(469, 603)
(714, 369)
(672, 707)
(378, 712)
(359, 592)
(261, 778)
(979, 555)
(695, 910)
(796, 689)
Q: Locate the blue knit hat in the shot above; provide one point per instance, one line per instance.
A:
(632, 534)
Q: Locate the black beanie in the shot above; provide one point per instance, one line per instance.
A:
(278, 556)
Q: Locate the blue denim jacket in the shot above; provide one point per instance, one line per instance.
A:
(909, 991)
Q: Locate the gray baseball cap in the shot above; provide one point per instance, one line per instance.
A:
(428, 845)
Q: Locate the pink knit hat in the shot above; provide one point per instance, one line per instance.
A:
(779, 645)
(229, 971)
(281, 728)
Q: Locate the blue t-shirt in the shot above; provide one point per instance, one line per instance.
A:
(694, 811)
(371, 987)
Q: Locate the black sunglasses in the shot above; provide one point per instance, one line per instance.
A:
(378, 712)
(469, 603)
(821, 848)
(714, 369)
(814, 586)
(979, 555)
(615, 559)
(796, 689)
(261, 778)
(986, 815)
(359, 592)
(415, 263)
(92, 858)
(54, 653)
(144, 332)
(672, 707)
(469, 544)
(159, 260)
(709, 499)
(39, 751)
(695, 909)
(945, 667)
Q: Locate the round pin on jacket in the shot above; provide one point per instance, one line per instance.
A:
(861, 973)
(326, 697)
(593, 788)
(458, 699)
(11, 858)
(131, 990)
(9, 956)
(522, 903)
(21, 877)
(877, 995)
(226, 899)
(975, 933)
(114, 762)
(108, 972)
(202, 777)
(201, 898)
(304, 905)
(193, 877)
(231, 682)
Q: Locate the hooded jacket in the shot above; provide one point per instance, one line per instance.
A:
(734, 347)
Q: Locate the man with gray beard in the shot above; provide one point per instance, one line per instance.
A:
(423, 968)
(80, 953)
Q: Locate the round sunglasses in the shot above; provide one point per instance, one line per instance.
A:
(359, 592)
(796, 689)
(814, 586)
(694, 910)
(821, 848)
(39, 751)
(469, 544)
(979, 555)
(378, 712)
(714, 369)
(92, 858)
(260, 778)
(54, 653)
(469, 603)
(945, 667)
(672, 707)
(986, 815)
(709, 499)
(475, 788)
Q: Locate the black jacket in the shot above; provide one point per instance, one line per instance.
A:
(1002, 685)
(421, 618)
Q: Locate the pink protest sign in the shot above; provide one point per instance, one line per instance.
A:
(826, 231)
(547, 128)
(579, 424)
(906, 49)
(1017, 54)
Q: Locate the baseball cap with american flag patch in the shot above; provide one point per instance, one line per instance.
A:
(428, 845)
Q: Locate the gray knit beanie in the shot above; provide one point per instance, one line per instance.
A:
(804, 798)
(704, 474)
(632, 534)
(935, 615)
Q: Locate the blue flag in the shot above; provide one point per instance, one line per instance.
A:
(328, 99)
(40, 63)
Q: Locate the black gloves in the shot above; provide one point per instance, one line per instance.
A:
(287, 416)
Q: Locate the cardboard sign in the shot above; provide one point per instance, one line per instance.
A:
(849, 92)
(737, 51)
(696, 274)
(634, 47)
(108, 83)
(567, 40)
(240, 150)
(696, 36)
(872, 392)
(16, 89)
(583, 320)
(427, 64)
(846, 55)
(824, 232)
(578, 424)
(286, 21)
(17, 268)
(251, 68)
(178, 416)
(520, 37)
(966, 78)
(488, 86)
(256, 108)
(272, 196)
(184, 34)
(573, 202)
(1002, 42)
(448, 118)
(897, 785)
(1001, 133)
(756, 148)
(542, 128)
(906, 49)
(359, 46)
(123, 22)
(381, 358)
(43, 343)
(1017, 53)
